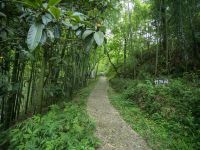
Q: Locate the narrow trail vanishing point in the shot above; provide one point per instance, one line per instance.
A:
(112, 130)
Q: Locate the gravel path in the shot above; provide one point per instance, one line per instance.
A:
(112, 130)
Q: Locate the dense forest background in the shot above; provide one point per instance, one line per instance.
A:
(157, 37)
(49, 49)
(154, 63)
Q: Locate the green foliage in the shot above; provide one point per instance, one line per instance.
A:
(170, 111)
(56, 12)
(53, 2)
(61, 128)
(34, 35)
(87, 33)
(156, 37)
(54, 60)
(31, 3)
(99, 37)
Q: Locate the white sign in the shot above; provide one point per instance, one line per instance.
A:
(165, 81)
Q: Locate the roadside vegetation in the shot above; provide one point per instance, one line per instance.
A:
(153, 56)
(65, 126)
(165, 115)
(50, 49)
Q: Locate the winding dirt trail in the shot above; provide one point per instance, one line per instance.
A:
(112, 130)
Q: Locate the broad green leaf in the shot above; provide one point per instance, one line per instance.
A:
(34, 35)
(56, 12)
(53, 2)
(86, 33)
(99, 38)
(46, 18)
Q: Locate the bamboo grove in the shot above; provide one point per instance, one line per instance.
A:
(157, 37)
(47, 51)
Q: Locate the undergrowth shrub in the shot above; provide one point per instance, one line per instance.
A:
(60, 129)
(175, 106)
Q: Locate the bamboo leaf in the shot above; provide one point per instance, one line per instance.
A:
(53, 2)
(56, 12)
